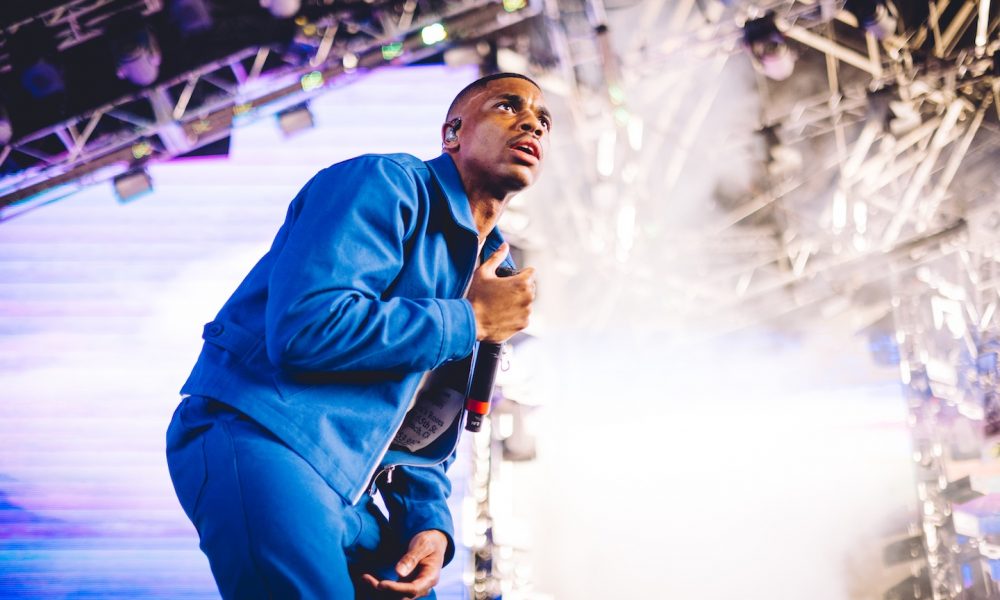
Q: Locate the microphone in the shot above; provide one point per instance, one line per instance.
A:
(484, 373)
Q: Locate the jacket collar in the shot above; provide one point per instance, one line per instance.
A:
(446, 174)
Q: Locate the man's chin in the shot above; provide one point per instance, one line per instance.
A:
(524, 177)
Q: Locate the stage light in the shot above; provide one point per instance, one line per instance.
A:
(768, 48)
(138, 56)
(433, 34)
(34, 57)
(43, 79)
(295, 119)
(282, 9)
(133, 184)
(311, 81)
(191, 16)
(142, 149)
(6, 126)
(391, 51)
(874, 16)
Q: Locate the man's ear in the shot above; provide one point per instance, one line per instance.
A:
(449, 137)
(449, 133)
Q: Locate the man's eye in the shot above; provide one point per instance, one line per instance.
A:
(505, 106)
(546, 124)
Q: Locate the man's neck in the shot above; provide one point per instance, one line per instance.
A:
(486, 211)
(486, 202)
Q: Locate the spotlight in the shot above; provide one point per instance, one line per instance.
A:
(137, 55)
(133, 184)
(190, 16)
(391, 51)
(433, 34)
(312, 81)
(769, 51)
(43, 79)
(33, 53)
(6, 126)
(282, 9)
(295, 119)
(874, 16)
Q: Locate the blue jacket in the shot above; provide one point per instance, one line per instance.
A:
(328, 337)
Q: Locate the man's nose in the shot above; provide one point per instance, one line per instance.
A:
(532, 124)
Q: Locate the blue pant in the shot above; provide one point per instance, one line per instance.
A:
(269, 524)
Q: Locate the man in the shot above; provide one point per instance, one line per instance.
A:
(339, 365)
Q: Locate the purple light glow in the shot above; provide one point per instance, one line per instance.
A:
(101, 308)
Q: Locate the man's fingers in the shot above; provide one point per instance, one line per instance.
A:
(417, 552)
(417, 588)
(525, 281)
(495, 259)
(405, 565)
(526, 272)
(370, 580)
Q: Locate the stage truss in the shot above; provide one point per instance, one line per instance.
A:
(868, 189)
(864, 184)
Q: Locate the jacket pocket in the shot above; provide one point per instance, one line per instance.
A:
(186, 459)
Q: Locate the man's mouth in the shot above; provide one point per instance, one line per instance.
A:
(527, 147)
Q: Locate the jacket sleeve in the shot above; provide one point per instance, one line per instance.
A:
(417, 501)
(342, 248)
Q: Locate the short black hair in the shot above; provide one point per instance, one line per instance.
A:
(480, 84)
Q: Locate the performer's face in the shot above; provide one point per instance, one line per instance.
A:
(504, 135)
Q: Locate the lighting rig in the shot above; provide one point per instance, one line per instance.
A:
(873, 190)
(93, 89)
(860, 175)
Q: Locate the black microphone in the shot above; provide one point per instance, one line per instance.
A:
(484, 374)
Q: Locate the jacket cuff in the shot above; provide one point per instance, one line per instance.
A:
(458, 331)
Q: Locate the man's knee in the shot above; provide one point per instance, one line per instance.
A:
(267, 520)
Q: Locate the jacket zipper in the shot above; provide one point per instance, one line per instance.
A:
(372, 475)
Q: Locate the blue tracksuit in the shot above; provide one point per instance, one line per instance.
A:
(327, 339)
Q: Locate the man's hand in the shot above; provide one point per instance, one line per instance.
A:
(418, 570)
(501, 304)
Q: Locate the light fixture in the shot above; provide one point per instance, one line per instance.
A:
(190, 16)
(295, 119)
(391, 51)
(282, 9)
(33, 53)
(768, 48)
(311, 81)
(874, 16)
(133, 184)
(43, 79)
(6, 126)
(137, 56)
(433, 34)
